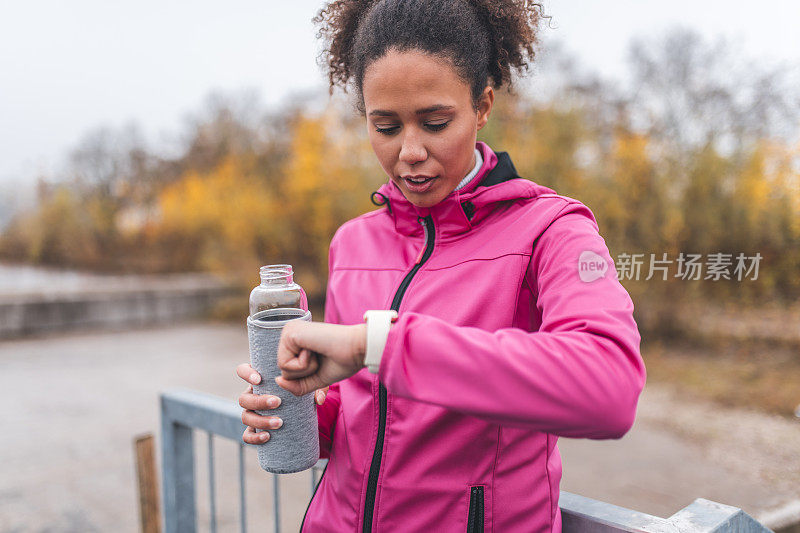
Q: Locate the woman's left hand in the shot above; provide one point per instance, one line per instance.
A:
(313, 355)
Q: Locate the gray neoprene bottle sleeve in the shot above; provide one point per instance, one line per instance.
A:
(294, 446)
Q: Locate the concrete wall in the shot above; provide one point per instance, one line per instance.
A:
(30, 314)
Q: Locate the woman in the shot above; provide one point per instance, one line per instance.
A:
(511, 328)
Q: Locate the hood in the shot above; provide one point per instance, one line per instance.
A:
(495, 184)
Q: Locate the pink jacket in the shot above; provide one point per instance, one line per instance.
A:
(513, 330)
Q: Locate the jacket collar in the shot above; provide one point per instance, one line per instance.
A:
(495, 183)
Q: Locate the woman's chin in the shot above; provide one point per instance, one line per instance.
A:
(423, 200)
(430, 197)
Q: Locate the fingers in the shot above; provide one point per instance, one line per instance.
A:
(258, 402)
(255, 420)
(247, 373)
(251, 437)
(300, 387)
(305, 364)
(295, 357)
(319, 396)
(296, 364)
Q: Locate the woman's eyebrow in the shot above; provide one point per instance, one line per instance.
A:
(437, 107)
(431, 109)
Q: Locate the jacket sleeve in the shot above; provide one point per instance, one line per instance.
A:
(329, 410)
(579, 375)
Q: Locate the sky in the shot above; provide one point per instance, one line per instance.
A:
(71, 66)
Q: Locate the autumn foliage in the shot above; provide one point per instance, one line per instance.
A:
(273, 190)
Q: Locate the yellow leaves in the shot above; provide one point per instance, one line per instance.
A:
(543, 141)
(632, 165)
(311, 178)
(766, 191)
(238, 219)
(61, 231)
(753, 187)
(227, 209)
(227, 200)
(325, 181)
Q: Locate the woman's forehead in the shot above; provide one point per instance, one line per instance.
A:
(414, 81)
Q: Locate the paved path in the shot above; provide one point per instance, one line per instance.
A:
(71, 405)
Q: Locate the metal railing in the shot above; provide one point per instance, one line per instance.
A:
(184, 411)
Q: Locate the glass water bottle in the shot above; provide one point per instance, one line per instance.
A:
(278, 300)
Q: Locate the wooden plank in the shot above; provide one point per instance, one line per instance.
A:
(148, 484)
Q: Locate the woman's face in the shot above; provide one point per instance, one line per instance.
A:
(421, 123)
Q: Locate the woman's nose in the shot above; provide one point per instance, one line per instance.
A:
(412, 150)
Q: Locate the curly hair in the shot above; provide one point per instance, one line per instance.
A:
(483, 39)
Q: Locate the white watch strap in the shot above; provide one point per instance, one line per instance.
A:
(378, 324)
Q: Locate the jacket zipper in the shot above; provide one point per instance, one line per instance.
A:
(475, 517)
(374, 470)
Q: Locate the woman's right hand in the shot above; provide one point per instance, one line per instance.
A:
(261, 402)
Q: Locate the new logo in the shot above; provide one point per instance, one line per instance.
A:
(591, 266)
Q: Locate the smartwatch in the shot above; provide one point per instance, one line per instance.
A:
(378, 324)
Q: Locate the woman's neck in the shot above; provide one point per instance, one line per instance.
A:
(473, 172)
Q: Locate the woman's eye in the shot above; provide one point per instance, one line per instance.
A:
(393, 129)
(438, 127)
(386, 131)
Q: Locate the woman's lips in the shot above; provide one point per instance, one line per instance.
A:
(419, 187)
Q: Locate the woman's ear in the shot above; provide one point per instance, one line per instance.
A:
(485, 106)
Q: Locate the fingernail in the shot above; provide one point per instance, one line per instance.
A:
(273, 402)
(255, 379)
(275, 424)
(264, 436)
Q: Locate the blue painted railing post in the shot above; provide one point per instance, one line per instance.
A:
(177, 475)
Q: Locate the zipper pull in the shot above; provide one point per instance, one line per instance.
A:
(419, 257)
